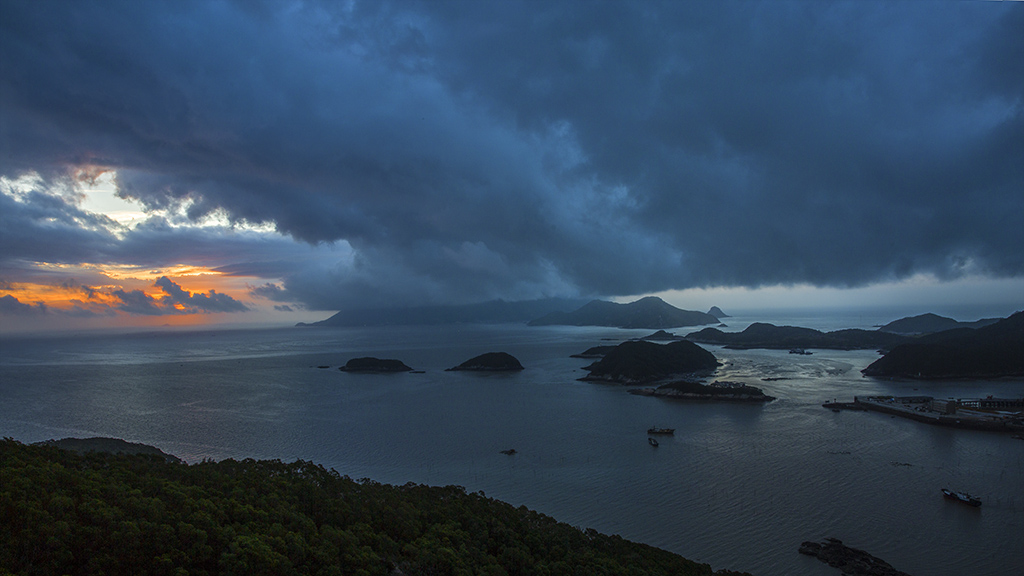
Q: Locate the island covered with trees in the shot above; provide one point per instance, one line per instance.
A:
(100, 513)
(641, 362)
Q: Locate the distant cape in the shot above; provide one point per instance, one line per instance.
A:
(650, 313)
(492, 312)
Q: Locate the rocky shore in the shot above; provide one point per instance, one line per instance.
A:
(849, 560)
(715, 392)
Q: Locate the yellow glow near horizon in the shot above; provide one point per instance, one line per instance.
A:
(116, 272)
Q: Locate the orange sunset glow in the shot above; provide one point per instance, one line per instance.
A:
(152, 297)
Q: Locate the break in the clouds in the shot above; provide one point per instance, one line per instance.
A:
(461, 151)
(107, 302)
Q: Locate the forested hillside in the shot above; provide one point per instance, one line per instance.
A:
(67, 513)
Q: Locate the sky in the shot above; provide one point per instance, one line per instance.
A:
(222, 162)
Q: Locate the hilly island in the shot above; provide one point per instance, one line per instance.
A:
(992, 351)
(640, 362)
(650, 312)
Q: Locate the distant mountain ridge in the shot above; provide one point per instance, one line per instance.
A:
(491, 312)
(931, 323)
(650, 313)
(770, 336)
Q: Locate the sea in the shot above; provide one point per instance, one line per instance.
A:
(737, 486)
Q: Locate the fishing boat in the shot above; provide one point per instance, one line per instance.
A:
(661, 430)
(652, 442)
(961, 497)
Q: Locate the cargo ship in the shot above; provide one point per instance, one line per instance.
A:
(961, 497)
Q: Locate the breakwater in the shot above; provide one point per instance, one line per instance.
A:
(939, 412)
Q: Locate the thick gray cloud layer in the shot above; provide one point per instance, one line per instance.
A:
(470, 150)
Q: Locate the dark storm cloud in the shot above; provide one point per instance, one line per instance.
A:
(11, 305)
(468, 150)
(178, 301)
(49, 228)
(198, 301)
(269, 291)
(45, 224)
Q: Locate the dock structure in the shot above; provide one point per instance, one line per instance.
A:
(993, 414)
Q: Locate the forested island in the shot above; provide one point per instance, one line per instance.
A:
(640, 362)
(101, 513)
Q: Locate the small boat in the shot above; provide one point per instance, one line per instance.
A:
(652, 442)
(509, 452)
(799, 351)
(961, 497)
(661, 430)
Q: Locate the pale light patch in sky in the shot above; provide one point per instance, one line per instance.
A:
(99, 193)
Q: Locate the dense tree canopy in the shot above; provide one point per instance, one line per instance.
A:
(67, 513)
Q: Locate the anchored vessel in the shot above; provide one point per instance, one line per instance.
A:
(961, 497)
(661, 430)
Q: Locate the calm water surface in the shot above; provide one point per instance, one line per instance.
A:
(737, 486)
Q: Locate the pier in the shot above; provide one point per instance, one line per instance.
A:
(992, 414)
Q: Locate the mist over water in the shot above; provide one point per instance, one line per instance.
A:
(737, 486)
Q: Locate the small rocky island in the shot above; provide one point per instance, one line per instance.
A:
(374, 365)
(490, 362)
(641, 362)
(715, 392)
